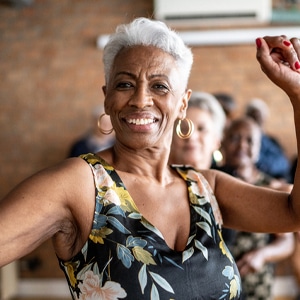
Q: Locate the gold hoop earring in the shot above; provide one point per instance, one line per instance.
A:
(103, 131)
(189, 132)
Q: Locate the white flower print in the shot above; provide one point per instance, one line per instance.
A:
(91, 290)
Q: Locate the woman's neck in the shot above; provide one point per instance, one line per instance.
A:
(148, 162)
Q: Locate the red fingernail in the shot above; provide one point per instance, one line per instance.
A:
(297, 65)
(287, 43)
(258, 42)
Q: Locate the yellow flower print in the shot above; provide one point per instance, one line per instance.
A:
(143, 256)
(92, 159)
(106, 165)
(98, 235)
(193, 191)
(70, 271)
(127, 204)
(224, 248)
(182, 173)
(234, 288)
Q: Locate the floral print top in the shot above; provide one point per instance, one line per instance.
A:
(126, 257)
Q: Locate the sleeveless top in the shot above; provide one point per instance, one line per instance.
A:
(257, 285)
(126, 257)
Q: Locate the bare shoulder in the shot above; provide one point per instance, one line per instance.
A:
(212, 176)
(78, 190)
(62, 182)
(56, 202)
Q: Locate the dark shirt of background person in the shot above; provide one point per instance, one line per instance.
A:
(93, 140)
(272, 158)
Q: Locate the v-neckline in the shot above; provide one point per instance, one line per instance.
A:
(116, 178)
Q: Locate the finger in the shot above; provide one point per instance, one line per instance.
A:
(275, 53)
(276, 41)
(267, 62)
(296, 44)
(244, 270)
(284, 49)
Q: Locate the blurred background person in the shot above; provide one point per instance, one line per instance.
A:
(94, 139)
(255, 253)
(228, 104)
(209, 119)
(272, 158)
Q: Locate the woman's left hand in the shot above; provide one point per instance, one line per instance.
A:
(251, 262)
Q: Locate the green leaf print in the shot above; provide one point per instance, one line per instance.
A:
(116, 223)
(203, 249)
(205, 227)
(203, 214)
(125, 255)
(187, 254)
(143, 278)
(154, 293)
(162, 282)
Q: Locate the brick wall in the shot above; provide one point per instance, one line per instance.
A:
(51, 77)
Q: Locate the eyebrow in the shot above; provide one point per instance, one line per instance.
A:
(159, 75)
(125, 73)
(134, 76)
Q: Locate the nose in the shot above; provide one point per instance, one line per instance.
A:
(194, 136)
(243, 143)
(141, 97)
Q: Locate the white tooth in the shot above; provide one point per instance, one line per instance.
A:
(140, 121)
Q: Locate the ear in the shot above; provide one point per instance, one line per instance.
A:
(218, 144)
(104, 90)
(105, 106)
(184, 103)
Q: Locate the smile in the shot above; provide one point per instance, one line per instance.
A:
(141, 121)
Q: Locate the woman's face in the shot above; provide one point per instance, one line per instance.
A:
(144, 97)
(241, 144)
(198, 149)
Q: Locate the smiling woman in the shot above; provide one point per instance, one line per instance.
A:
(145, 82)
(125, 223)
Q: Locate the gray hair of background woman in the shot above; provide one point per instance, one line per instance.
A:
(209, 103)
(143, 31)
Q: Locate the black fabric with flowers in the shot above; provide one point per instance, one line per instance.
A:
(126, 257)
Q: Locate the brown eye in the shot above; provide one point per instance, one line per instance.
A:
(201, 129)
(124, 85)
(160, 88)
(234, 139)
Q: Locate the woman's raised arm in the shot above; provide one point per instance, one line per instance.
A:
(55, 202)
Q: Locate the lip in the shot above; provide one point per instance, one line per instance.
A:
(140, 121)
(142, 118)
